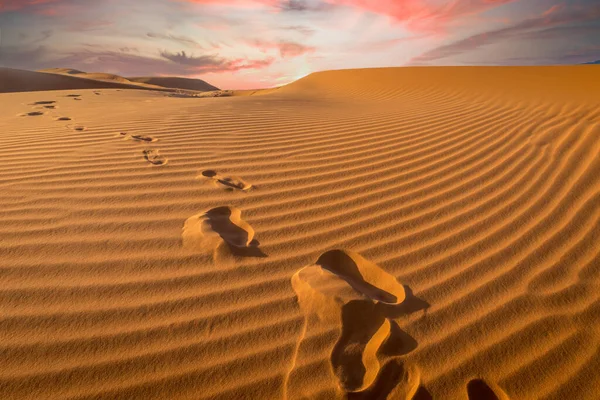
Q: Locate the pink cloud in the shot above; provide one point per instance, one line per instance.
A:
(242, 3)
(423, 15)
(286, 48)
(547, 25)
(15, 5)
(552, 10)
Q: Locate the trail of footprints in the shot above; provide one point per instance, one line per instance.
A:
(152, 156)
(341, 290)
(41, 108)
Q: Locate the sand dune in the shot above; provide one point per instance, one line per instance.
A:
(16, 80)
(177, 83)
(196, 85)
(411, 233)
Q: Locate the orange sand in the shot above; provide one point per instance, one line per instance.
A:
(402, 233)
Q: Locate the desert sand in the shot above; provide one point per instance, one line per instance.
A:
(399, 233)
(14, 80)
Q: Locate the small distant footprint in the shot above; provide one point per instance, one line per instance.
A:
(139, 138)
(32, 114)
(97, 93)
(45, 102)
(230, 183)
(63, 119)
(73, 95)
(478, 389)
(79, 128)
(344, 289)
(50, 107)
(154, 158)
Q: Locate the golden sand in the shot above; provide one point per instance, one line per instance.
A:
(402, 233)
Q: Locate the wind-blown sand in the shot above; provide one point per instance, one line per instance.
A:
(386, 233)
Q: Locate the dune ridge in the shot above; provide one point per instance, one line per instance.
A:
(474, 191)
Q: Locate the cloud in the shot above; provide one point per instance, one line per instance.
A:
(303, 5)
(126, 63)
(423, 15)
(286, 49)
(184, 59)
(213, 63)
(129, 50)
(86, 25)
(306, 31)
(279, 5)
(295, 5)
(291, 49)
(233, 3)
(558, 23)
(184, 40)
(15, 5)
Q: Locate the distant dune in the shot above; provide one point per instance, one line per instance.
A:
(68, 71)
(197, 85)
(397, 233)
(15, 80)
(177, 83)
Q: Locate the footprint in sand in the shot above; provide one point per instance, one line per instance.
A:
(45, 102)
(208, 230)
(79, 128)
(139, 138)
(50, 107)
(397, 380)
(73, 95)
(154, 158)
(478, 389)
(345, 292)
(63, 119)
(226, 182)
(97, 93)
(32, 114)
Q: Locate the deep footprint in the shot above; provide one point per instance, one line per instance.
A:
(154, 158)
(344, 290)
(397, 381)
(363, 275)
(478, 389)
(354, 357)
(73, 95)
(63, 119)
(224, 222)
(232, 183)
(39, 103)
(79, 128)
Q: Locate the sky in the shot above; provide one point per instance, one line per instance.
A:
(244, 44)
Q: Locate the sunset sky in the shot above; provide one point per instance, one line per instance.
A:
(238, 44)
